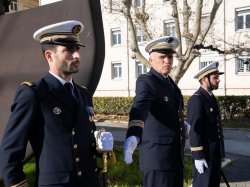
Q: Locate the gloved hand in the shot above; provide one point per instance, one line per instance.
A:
(129, 148)
(199, 164)
(105, 140)
(187, 129)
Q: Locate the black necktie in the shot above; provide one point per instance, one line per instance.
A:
(69, 89)
(170, 84)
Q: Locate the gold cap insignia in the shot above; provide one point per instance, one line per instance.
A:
(169, 40)
(76, 29)
(57, 110)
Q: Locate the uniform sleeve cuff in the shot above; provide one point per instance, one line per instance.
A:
(23, 183)
(197, 152)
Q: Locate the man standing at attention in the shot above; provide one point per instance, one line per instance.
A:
(56, 116)
(156, 119)
(206, 136)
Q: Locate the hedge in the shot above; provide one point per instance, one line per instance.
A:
(232, 107)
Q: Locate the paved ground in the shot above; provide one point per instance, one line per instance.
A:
(237, 146)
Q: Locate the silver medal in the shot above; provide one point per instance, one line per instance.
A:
(57, 110)
(166, 98)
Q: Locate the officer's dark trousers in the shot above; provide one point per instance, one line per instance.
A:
(156, 178)
(210, 178)
(72, 183)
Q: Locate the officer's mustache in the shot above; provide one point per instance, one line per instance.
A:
(75, 62)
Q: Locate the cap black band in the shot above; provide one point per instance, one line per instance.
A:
(76, 43)
(162, 51)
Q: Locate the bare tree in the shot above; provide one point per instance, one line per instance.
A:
(189, 28)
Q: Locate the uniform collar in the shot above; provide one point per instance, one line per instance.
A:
(157, 74)
(61, 80)
(210, 93)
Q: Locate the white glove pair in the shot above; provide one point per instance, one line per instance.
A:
(105, 140)
(200, 164)
(129, 148)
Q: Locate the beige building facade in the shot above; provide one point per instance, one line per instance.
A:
(19, 5)
(231, 25)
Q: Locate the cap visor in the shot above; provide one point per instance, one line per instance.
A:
(163, 51)
(64, 43)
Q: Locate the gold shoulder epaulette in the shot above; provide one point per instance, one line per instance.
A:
(146, 74)
(27, 83)
(196, 94)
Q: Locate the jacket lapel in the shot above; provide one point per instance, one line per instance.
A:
(83, 105)
(208, 97)
(162, 83)
(58, 91)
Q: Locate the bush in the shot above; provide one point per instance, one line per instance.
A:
(112, 105)
(232, 107)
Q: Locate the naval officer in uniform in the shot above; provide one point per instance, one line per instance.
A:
(56, 116)
(156, 119)
(206, 136)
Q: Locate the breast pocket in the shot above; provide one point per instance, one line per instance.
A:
(161, 154)
(162, 145)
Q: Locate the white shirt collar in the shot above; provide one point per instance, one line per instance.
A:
(61, 80)
(210, 93)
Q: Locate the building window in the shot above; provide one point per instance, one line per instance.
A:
(141, 69)
(138, 3)
(140, 36)
(116, 70)
(169, 29)
(204, 63)
(243, 19)
(242, 65)
(115, 37)
(13, 6)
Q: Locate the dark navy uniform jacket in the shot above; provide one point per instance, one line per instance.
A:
(156, 117)
(206, 136)
(61, 135)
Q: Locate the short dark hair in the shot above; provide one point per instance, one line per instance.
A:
(51, 47)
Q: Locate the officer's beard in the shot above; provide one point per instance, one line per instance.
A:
(211, 86)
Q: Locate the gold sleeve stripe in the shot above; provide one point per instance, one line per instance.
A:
(27, 83)
(23, 183)
(196, 148)
(136, 123)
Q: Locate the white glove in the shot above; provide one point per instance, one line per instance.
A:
(199, 164)
(129, 148)
(187, 129)
(105, 141)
